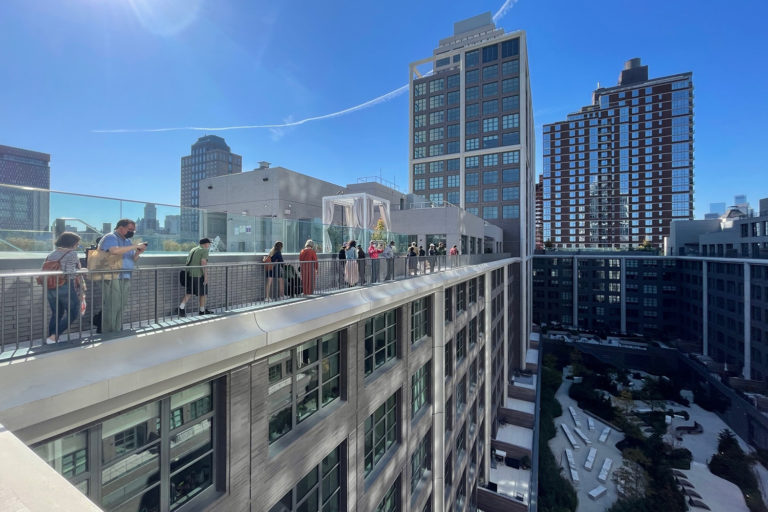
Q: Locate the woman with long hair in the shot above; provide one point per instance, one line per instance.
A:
(65, 293)
(351, 274)
(308, 267)
(274, 270)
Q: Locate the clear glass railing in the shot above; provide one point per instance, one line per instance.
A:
(31, 219)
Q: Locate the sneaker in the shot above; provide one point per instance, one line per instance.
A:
(50, 341)
(182, 312)
(207, 312)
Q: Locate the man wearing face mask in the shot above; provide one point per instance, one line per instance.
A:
(115, 292)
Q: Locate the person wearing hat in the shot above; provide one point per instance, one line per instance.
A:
(197, 277)
(432, 258)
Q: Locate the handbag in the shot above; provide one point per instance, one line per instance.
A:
(100, 261)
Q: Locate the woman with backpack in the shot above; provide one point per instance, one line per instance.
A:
(65, 292)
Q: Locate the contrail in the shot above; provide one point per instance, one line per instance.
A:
(381, 99)
(505, 7)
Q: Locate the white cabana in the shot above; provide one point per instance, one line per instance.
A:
(359, 213)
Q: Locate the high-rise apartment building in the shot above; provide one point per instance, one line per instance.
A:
(24, 209)
(210, 157)
(471, 127)
(617, 172)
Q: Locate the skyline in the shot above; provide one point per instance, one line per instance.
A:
(249, 66)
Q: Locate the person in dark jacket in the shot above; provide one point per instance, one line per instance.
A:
(361, 264)
(342, 261)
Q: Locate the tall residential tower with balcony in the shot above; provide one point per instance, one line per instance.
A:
(617, 172)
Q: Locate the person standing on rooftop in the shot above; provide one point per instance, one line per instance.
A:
(116, 292)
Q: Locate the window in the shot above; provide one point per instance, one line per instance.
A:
(448, 310)
(380, 340)
(510, 175)
(490, 212)
(419, 121)
(436, 198)
(436, 182)
(510, 157)
(452, 82)
(452, 197)
(510, 139)
(435, 150)
(461, 299)
(490, 53)
(391, 501)
(453, 131)
(461, 345)
(448, 368)
(471, 196)
(511, 211)
(471, 162)
(472, 128)
(472, 93)
(510, 194)
(437, 117)
(491, 124)
(419, 152)
(453, 114)
(301, 381)
(420, 319)
(437, 101)
(472, 77)
(434, 134)
(490, 72)
(436, 85)
(491, 141)
(490, 195)
(419, 184)
(472, 110)
(320, 489)
(420, 105)
(419, 168)
(453, 181)
(472, 58)
(472, 144)
(420, 462)
(510, 85)
(510, 48)
(510, 103)
(510, 121)
(380, 433)
(419, 89)
(511, 67)
(419, 137)
(490, 89)
(461, 395)
(472, 294)
(436, 166)
(473, 211)
(490, 177)
(472, 179)
(142, 457)
(490, 107)
(419, 389)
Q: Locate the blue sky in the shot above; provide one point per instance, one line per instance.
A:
(71, 68)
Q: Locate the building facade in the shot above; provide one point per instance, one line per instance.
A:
(209, 157)
(24, 209)
(386, 400)
(471, 128)
(617, 172)
(712, 306)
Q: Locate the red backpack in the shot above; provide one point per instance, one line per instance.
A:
(52, 282)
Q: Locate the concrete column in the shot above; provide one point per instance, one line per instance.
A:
(623, 288)
(505, 329)
(575, 292)
(438, 399)
(747, 373)
(704, 308)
